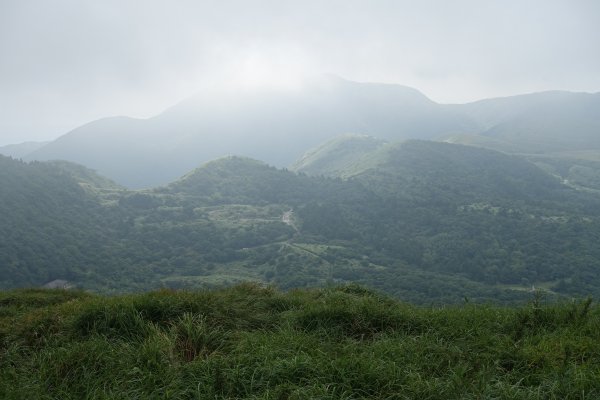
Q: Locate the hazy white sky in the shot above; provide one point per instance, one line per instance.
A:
(66, 62)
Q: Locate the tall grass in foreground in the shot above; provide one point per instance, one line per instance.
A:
(249, 342)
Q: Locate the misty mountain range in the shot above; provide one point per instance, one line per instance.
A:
(325, 183)
(279, 126)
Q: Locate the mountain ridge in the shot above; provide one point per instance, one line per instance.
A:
(278, 126)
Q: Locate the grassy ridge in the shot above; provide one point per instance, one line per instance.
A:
(258, 343)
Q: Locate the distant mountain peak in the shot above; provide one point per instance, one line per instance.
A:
(279, 126)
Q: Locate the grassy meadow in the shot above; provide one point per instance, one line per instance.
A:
(254, 342)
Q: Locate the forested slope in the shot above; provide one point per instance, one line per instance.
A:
(50, 226)
(423, 221)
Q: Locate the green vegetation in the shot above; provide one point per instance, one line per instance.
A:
(50, 226)
(579, 169)
(337, 157)
(425, 222)
(253, 342)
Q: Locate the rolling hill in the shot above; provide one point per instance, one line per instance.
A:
(338, 156)
(275, 126)
(423, 221)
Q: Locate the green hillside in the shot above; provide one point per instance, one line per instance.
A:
(448, 172)
(252, 342)
(558, 131)
(51, 227)
(422, 221)
(239, 180)
(337, 157)
(440, 205)
(86, 177)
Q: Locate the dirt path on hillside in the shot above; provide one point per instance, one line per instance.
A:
(288, 219)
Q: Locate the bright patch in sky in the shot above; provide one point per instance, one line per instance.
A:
(269, 68)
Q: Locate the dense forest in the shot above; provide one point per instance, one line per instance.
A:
(423, 221)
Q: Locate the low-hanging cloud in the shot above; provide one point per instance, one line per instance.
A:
(66, 62)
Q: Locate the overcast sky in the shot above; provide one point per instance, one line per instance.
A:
(66, 62)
